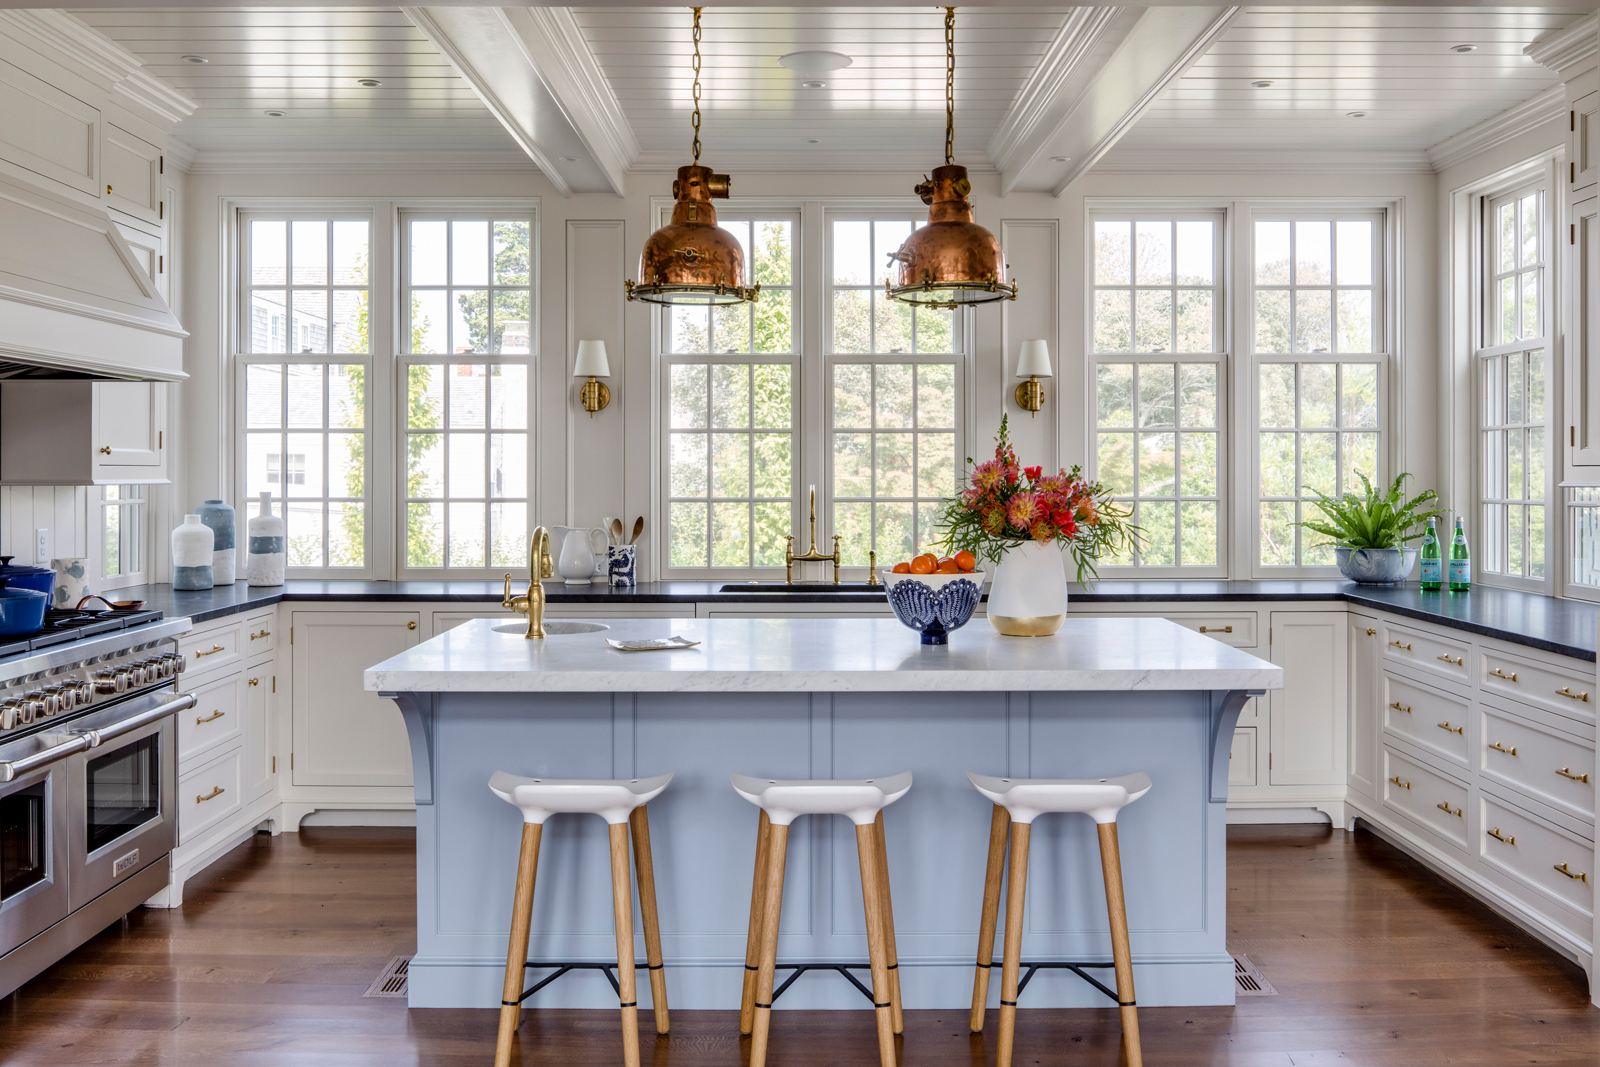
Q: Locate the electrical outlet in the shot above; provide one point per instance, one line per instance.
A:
(41, 546)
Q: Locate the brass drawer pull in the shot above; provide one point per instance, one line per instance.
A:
(1459, 661)
(216, 791)
(1462, 730)
(1576, 876)
(1397, 706)
(1498, 747)
(1371, 632)
(1214, 630)
(1495, 833)
(1397, 644)
(1570, 695)
(1445, 807)
(213, 717)
(263, 633)
(1565, 773)
(255, 681)
(1396, 781)
(212, 651)
(1498, 673)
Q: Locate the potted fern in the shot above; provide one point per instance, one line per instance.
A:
(1368, 531)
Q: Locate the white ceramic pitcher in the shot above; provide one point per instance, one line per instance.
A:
(581, 546)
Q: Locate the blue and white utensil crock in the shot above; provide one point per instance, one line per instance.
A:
(72, 581)
(193, 551)
(266, 556)
(934, 604)
(623, 565)
(219, 516)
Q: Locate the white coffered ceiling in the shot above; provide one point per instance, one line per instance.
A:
(1043, 92)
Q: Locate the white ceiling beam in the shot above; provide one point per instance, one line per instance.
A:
(533, 72)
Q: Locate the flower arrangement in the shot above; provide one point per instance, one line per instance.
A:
(1007, 504)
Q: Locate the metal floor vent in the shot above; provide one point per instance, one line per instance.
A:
(1247, 980)
(392, 982)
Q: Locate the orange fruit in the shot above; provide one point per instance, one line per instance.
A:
(924, 564)
(902, 568)
(966, 561)
(949, 566)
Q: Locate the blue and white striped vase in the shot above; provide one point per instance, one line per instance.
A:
(192, 554)
(265, 561)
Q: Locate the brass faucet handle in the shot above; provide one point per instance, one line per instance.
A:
(505, 599)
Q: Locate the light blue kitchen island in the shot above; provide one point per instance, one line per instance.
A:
(822, 698)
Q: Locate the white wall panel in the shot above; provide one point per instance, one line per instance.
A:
(595, 446)
(1033, 252)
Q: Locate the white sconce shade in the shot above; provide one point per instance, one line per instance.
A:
(1034, 360)
(592, 361)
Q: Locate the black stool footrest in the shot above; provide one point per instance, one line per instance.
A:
(1075, 968)
(802, 968)
(562, 967)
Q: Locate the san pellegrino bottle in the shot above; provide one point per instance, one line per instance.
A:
(1432, 565)
(1460, 562)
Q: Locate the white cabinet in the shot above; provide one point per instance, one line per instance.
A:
(49, 132)
(344, 735)
(1365, 667)
(1583, 334)
(132, 168)
(1309, 712)
(82, 433)
(1583, 153)
(150, 251)
(258, 685)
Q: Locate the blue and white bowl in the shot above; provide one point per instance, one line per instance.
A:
(934, 604)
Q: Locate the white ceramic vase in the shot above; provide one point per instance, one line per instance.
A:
(1028, 597)
(267, 555)
(192, 554)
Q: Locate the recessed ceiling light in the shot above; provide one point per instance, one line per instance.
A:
(813, 85)
(1061, 159)
(196, 59)
(368, 83)
(814, 62)
(568, 159)
(1264, 83)
(813, 140)
(1355, 114)
(1463, 48)
(275, 114)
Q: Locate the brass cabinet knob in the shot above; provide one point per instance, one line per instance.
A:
(412, 625)
(105, 450)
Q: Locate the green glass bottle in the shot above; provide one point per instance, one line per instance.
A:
(1432, 565)
(1460, 562)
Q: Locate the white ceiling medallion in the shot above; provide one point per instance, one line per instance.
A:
(814, 62)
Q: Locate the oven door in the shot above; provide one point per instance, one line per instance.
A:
(124, 814)
(33, 853)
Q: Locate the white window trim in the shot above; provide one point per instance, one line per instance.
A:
(139, 512)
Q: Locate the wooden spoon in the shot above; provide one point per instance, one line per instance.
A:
(638, 528)
(616, 531)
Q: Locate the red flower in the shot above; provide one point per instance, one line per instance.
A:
(1062, 518)
(1033, 472)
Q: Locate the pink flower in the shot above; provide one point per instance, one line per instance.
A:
(990, 474)
(1024, 510)
(1033, 473)
(1054, 483)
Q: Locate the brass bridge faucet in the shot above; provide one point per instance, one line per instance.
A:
(812, 555)
(539, 566)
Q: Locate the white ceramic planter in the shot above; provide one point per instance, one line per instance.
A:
(1028, 597)
(266, 556)
(192, 554)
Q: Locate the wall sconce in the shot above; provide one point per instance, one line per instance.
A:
(592, 364)
(1033, 363)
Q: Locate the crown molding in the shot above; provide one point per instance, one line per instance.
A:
(358, 161)
(1262, 160)
(858, 160)
(102, 60)
(1542, 107)
(1029, 122)
(1570, 50)
(181, 153)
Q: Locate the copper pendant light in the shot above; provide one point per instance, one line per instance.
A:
(952, 260)
(692, 260)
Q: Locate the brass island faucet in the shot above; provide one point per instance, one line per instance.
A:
(539, 566)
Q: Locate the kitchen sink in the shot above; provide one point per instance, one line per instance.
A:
(801, 587)
(554, 627)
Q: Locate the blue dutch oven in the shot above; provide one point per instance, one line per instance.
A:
(23, 576)
(21, 610)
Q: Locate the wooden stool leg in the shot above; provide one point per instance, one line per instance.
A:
(622, 908)
(999, 820)
(888, 926)
(1016, 891)
(752, 943)
(517, 946)
(872, 901)
(1121, 953)
(639, 823)
(772, 910)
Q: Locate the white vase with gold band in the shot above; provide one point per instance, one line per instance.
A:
(1028, 597)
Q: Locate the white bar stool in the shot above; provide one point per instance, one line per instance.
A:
(1018, 801)
(622, 804)
(781, 802)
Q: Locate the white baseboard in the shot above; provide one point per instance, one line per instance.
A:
(1271, 816)
(359, 817)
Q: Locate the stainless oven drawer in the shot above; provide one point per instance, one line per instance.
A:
(33, 854)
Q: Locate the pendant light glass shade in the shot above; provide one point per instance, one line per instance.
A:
(692, 260)
(952, 260)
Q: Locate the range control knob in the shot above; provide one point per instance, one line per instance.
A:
(65, 696)
(85, 690)
(10, 715)
(138, 673)
(179, 661)
(109, 681)
(26, 710)
(45, 703)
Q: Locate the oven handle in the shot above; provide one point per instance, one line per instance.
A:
(93, 738)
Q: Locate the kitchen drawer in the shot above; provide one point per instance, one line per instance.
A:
(1242, 757)
(1428, 718)
(1558, 866)
(1426, 796)
(210, 649)
(1236, 628)
(214, 720)
(1540, 761)
(1441, 657)
(258, 633)
(207, 795)
(1565, 692)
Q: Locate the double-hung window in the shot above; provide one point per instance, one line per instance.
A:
(122, 544)
(1159, 369)
(1318, 338)
(1512, 369)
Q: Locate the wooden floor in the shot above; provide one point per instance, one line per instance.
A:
(1377, 964)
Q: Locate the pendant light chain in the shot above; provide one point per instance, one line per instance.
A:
(949, 83)
(695, 121)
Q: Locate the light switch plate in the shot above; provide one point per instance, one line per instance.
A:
(41, 543)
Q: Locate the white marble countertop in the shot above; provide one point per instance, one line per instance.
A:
(824, 655)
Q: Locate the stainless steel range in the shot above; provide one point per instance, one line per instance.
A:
(88, 776)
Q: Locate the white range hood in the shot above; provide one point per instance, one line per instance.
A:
(73, 299)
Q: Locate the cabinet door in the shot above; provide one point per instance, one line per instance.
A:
(48, 131)
(150, 250)
(1583, 335)
(344, 735)
(131, 167)
(1307, 743)
(1365, 662)
(128, 438)
(259, 685)
(1583, 154)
